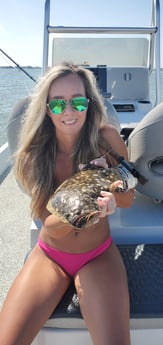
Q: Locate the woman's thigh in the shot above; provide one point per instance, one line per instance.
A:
(31, 299)
(103, 297)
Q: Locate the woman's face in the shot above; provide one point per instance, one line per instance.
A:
(70, 121)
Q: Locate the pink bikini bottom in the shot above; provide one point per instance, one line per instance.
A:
(71, 263)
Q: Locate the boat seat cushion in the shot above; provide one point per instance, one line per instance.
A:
(14, 123)
(145, 148)
(112, 115)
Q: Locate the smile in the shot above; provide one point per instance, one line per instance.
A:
(71, 122)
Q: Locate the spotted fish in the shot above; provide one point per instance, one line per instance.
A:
(75, 200)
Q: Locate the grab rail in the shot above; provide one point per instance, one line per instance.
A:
(101, 30)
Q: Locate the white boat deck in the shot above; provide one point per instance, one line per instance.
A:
(14, 232)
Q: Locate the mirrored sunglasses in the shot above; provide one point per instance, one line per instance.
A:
(57, 106)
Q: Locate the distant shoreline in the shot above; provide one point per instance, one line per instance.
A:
(37, 67)
(21, 67)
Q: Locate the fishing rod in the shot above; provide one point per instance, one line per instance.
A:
(21, 68)
(129, 166)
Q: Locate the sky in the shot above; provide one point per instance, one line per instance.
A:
(21, 22)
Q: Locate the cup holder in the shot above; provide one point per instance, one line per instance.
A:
(156, 166)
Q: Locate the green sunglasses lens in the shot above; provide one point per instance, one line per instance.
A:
(57, 106)
(79, 103)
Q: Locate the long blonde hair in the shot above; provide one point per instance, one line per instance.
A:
(35, 158)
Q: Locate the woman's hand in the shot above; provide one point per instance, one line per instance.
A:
(107, 202)
(101, 162)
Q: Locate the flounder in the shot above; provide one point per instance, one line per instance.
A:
(75, 200)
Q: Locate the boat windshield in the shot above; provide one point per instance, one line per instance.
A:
(98, 50)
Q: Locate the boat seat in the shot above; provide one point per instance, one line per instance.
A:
(112, 115)
(14, 123)
(145, 150)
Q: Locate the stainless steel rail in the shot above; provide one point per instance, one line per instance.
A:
(101, 30)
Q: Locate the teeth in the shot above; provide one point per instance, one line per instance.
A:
(69, 122)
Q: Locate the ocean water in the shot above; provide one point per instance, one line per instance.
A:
(15, 85)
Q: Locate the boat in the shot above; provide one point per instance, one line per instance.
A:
(130, 56)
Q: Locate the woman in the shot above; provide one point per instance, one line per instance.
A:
(65, 125)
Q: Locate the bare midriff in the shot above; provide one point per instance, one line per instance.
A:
(64, 237)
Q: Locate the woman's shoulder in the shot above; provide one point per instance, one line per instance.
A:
(108, 128)
(112, 136)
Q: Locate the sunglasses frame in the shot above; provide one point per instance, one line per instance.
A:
(63, 104)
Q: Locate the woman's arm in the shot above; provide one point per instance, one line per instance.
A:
(123, 199)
